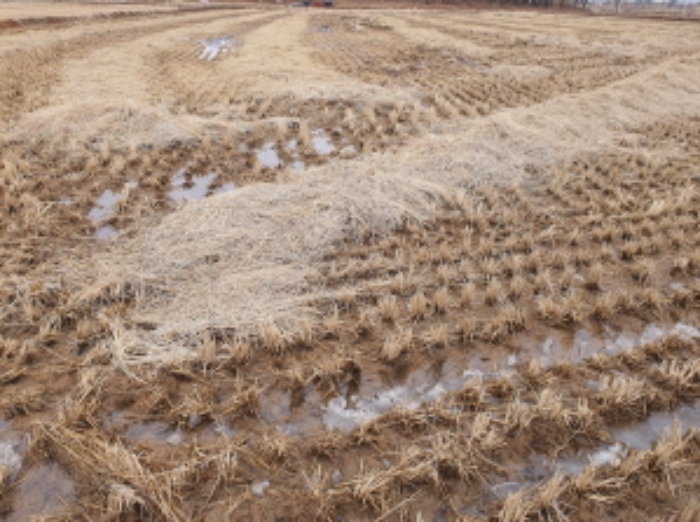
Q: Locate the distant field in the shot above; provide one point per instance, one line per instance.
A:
(275, 263)
(27, 10)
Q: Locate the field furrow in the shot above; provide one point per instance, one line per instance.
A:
(277, 263)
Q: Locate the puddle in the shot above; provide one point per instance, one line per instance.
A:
(609, 455)
(268, 156)
(258, 488)
(643, 435)
(154, 432)
(106, 232)
(321, 142)
(226, 187)
(215, 46)
(10, 458)
(585, 345)
(219, 429)
(293, 147)
(104, 206)
(373, 398)
(345, 415)
(44, 492)
(640, 436)
(198, 188)
(13, 446)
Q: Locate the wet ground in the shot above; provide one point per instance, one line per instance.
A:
(535, 341)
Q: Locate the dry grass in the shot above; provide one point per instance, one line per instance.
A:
(496, 181)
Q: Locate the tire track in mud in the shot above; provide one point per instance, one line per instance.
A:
(28, 76)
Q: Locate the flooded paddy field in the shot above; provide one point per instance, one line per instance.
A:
(298, 264)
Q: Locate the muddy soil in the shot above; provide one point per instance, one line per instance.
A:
(516, 339)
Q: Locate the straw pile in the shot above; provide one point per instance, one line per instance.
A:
(236, 261)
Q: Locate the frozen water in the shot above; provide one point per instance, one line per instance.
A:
(473, 375)
(322, 142)
(651, 333)
(638, 436)
(259, 487)
(105, 232)
(154, 432)
(104, 206)
(643, 435)
(226, 187)
(9, 457)
(585, 345)
(43, 494)
(222, 428)
(198, 190)
(347, 414)
(505, 489)
(339, 415)
(215, 46)
(268, 156)
(610, 456)
(686, 330)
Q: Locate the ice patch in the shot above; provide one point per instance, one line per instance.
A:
(198, 190)
(341, 416)
(9, 457)
(226, 187)
(258, 488)
(505, 489)
(268, 156)
(610, 456)
(104, 206)
(642, 435)
(106, 232)
(651, 333)
(322, 142)
(686, 330)
(154, 432)
(215, 46)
